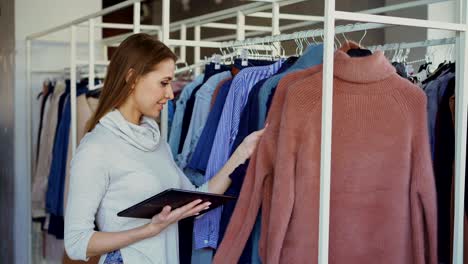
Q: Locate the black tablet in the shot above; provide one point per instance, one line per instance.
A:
(175, 198)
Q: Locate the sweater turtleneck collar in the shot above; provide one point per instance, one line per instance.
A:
(369, 69)
(145, 136)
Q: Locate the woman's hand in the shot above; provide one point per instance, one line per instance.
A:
(169, 216)
(221, 181)
(248, 146)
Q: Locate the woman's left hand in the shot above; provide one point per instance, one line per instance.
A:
(248, 146)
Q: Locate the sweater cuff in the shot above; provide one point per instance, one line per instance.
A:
(78, 251)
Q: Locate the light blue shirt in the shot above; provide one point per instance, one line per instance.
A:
(312, 56)
(176, 129)
(201, 110)
(206, 228)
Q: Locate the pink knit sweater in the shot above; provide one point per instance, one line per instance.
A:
(382, 205)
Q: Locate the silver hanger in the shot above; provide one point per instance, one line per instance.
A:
(362, 38)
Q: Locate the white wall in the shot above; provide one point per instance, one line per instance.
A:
(441, 12)
(33, 16)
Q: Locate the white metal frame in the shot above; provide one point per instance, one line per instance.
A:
(461, 114)
(371, 19)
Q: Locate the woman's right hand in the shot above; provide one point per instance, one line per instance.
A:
(168, 216)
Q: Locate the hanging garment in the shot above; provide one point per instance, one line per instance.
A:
(201, 111)
(311, 57)
(178, 86)
(62, 100)
(47, 90)
(210, 70)
(170, 115)
(381, 173)
(56, 226)
(55, 188)
(114, 257)
(103, 183)
(200, 114)
(200, 159)
(176, 128)
(41, 175)
(465, 223)
(56, 182)
(216, 92)
(247, 121)
(273, 127)
(444, 158)
(206, 229)
(202, 151)
(247, 125)
(435, 91)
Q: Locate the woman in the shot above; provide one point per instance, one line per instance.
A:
(122, 161)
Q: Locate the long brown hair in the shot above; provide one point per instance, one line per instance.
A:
(140, 53)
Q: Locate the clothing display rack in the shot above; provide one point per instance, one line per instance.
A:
(365, 20)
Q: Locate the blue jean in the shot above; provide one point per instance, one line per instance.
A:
(114, 257)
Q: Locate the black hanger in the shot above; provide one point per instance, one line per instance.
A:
(359, 52)
(442, 68)
(400, 69)
(94, 93)
(424, 66)
(451, 67)
(291, 60)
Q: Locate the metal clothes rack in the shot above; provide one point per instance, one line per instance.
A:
(369, 19)
(419, 44)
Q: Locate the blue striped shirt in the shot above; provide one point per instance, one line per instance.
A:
(206, 228)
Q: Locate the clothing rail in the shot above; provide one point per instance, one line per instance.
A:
(301, 35)
(338, 30)
(343, 29)
(420, 44)
(201, 63)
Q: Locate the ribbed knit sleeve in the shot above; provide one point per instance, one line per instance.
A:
(423, 193)
(258, 180)
(293, 128)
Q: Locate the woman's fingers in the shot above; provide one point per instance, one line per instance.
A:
(188, 210)
(197, 209)
(163, 216)
(182, 210)
(165, 212)
(188, 206)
